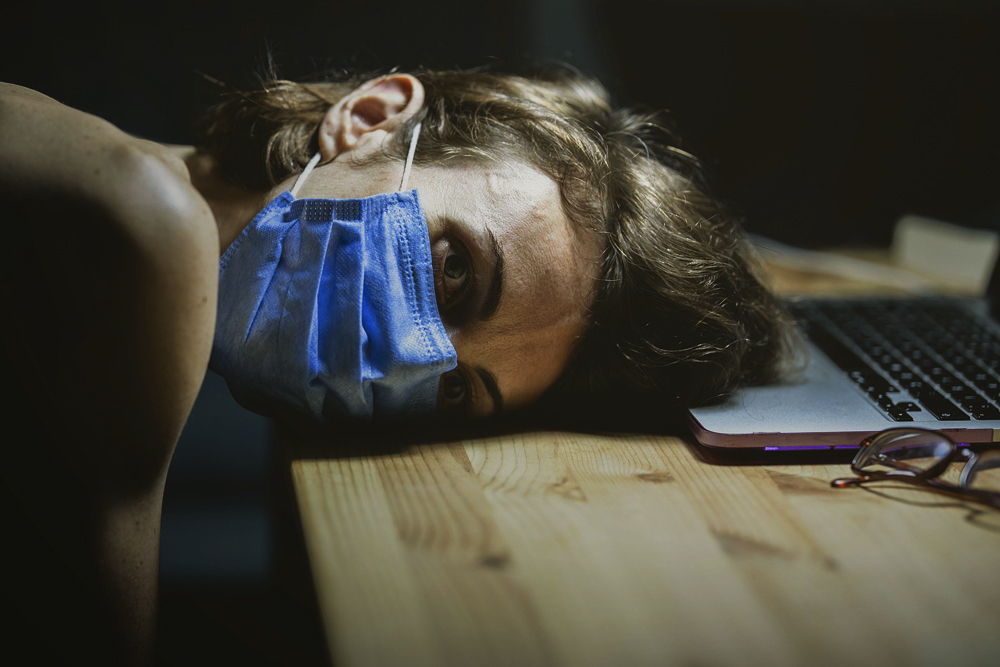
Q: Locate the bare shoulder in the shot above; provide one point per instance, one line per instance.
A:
(110, 282)
(115, 282)
(13, 91)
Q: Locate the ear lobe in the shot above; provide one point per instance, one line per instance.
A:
(373, 110)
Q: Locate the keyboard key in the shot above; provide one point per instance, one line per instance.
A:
(983, 410)
(899, 415)
(955, 387)
(967, 399)
(941, 407)
(872, 383)
(884, 401)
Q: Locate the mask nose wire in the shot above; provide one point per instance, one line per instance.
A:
(402, 183)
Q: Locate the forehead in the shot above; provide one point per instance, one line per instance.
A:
(503, 193)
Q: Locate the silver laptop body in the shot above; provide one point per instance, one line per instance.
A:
(835, 402)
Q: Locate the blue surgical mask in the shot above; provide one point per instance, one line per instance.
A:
(328, 305)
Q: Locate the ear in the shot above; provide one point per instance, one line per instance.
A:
(365, 117)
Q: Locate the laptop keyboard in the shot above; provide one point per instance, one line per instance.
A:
(923, 359)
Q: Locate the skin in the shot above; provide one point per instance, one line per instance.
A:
(511, 357)
(129, 233)
(114, 284)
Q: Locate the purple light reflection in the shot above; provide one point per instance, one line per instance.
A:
(796, 448)
(793, 448)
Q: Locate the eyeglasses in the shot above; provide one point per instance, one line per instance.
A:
(920, 457)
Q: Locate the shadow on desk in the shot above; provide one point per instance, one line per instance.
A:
(352, 439)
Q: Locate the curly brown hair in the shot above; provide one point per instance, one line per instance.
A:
(680, 315)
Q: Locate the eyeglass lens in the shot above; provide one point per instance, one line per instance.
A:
(912, 450)
(983, 473)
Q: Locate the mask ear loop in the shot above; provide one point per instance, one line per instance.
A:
(406, 170)
(304, 175)
(409, 156)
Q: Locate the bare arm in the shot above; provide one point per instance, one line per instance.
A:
(113, 281)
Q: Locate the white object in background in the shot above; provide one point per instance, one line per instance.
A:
(835, 264)
(957, 254)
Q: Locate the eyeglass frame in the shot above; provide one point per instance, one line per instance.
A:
(928, 478)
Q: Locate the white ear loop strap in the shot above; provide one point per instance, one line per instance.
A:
(304, 175)
(406, 169)
(409, 156)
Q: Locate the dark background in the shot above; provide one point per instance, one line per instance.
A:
(823, 122)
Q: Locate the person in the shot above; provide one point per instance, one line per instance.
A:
(459, 243)
(664, 293)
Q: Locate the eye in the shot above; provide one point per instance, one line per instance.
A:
(453, 394)
(455, 274)
(456, 267)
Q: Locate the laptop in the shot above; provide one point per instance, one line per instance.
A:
(873, 364)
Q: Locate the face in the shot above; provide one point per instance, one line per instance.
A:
(513, 276)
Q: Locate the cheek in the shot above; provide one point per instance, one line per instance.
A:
(554, 288)
(529, 363)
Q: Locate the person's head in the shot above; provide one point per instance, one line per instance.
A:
(621, 277)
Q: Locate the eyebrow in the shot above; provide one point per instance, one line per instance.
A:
(495, 291)
(492, 388)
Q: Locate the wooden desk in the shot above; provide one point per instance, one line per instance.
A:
(547, 548)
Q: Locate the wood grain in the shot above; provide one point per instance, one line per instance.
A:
(570, 549)
(554, 548)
